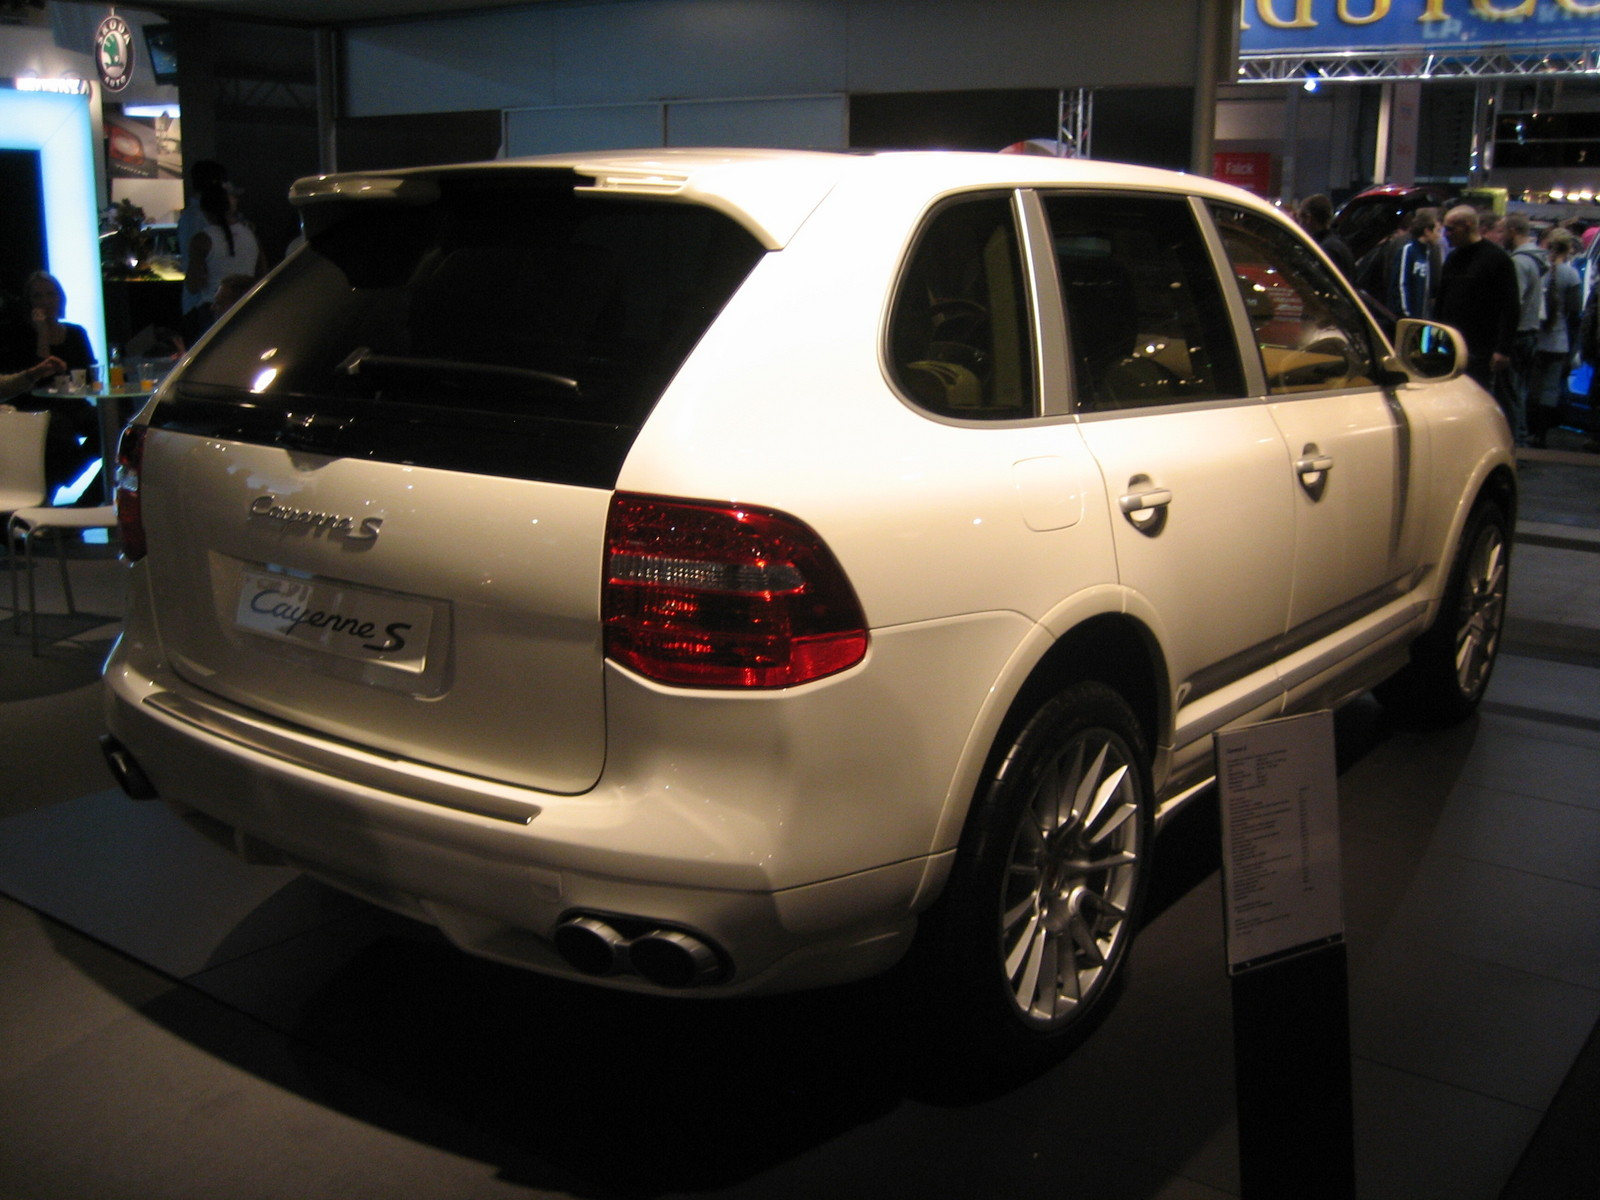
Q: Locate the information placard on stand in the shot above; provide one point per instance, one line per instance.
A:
(1280, 838)
(1278, 793)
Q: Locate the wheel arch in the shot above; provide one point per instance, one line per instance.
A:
(1500, 486)
(1112, 648)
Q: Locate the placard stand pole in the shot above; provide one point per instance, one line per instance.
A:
(1279, 799)
(1291, 1049)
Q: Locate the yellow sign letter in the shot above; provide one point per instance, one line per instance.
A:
(1487, 10)
(1302, 15)
(1380, 10)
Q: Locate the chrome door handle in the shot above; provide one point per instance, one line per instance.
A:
(1145, 508)
(1313, 466)
(1138, 501)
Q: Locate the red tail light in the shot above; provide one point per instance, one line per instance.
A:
(709, 595)
(130, 518)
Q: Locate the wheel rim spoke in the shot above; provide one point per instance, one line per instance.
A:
(1085, 799)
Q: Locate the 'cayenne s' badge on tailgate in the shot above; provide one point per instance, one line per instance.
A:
(352, 529)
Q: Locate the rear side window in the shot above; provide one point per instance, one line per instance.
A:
(509, 326)
(1145, 316)
(1310, 333)
(961, 330)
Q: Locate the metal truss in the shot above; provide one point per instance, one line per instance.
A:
(1351, 68)
(1075, 123)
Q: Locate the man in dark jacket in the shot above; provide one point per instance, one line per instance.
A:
(1478, 295)
(1413, 269)
(1316, 217)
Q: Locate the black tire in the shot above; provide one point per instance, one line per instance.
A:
(1451, 663)
(1024, 950)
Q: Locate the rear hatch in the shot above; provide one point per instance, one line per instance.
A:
(375, 499)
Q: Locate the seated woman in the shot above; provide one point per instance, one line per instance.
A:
(44, 338)
(51, 336)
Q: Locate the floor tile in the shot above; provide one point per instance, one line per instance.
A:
(1552, 838)
(59, 988)
(1421, 1140)
(1543, 685)
(1472, 1024)
(63, 726)
(138, 1112)
(134, 876)
(279, 983)
(1557, 584)
(1528, 763)
(1543, 926)
(1563, 1159)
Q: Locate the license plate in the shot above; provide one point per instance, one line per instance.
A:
(336, 618)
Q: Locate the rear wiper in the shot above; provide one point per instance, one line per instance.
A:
(362, 359)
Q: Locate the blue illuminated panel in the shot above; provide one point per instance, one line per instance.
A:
(57, 127)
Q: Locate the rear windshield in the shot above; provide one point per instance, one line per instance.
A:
(508, 327)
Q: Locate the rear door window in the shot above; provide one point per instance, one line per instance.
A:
(506, 326)
(1145, 317)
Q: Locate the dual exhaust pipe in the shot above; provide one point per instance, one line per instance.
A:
(668, 958)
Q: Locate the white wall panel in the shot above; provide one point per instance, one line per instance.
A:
(796, 123)
(594, 127)
(497, 60)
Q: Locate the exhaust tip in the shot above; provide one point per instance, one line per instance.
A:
(589, 945)
(129, 775)
(671, 958)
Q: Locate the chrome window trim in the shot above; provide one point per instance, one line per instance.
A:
(1055, 374)
(1255, 374)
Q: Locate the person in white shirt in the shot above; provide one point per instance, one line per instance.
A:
(226, 246)
(202, 174)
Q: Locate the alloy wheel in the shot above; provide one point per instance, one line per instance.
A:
(1482, 610)
(1070, 879)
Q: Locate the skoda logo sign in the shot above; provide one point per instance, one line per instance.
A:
(113, 53)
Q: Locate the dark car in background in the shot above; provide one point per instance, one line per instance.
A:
(1369, 217)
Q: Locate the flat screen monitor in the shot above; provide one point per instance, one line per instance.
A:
(161, 43)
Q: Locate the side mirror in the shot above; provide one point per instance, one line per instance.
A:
(1427, 350)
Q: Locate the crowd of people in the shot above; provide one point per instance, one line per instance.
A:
(1518, 299)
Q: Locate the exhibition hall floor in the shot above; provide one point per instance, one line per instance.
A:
(174, 1023)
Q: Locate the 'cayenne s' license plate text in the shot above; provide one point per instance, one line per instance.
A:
(348, 621)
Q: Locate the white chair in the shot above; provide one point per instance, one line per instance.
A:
(30, 523)
(22, 437)
(22, 481)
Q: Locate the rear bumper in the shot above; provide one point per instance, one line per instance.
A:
(497, 881)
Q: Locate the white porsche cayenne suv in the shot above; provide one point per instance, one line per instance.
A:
(738, 571)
